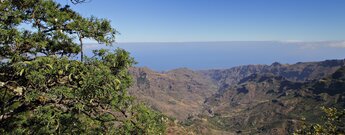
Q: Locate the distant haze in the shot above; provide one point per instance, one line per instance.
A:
(215, 55)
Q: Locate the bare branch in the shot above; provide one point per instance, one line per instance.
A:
(79, 1)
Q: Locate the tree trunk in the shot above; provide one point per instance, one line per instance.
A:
(81, 47)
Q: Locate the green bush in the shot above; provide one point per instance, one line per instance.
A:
(334, 124)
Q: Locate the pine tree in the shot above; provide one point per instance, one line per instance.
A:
(45, 90)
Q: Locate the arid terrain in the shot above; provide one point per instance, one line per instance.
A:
(256, 99)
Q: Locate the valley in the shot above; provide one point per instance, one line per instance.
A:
(250, 99)
(172, 67)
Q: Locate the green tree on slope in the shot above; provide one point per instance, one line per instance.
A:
(334, 124)
(43, 90)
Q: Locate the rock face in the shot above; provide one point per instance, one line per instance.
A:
(252, 99)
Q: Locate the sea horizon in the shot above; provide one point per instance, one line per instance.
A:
(203, 55)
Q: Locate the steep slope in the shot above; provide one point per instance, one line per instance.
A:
(269, 104)
(177, 93)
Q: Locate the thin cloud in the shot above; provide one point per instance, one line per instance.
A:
(315, 44)
(340, 44)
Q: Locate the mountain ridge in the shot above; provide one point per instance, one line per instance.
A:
(301, 71)
(242, 99)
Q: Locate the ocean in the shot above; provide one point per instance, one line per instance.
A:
(219, 55)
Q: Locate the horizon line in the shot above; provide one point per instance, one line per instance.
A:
(282, 41)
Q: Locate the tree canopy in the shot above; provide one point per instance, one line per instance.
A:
(45, 90)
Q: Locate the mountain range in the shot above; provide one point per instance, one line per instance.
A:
(249, 99)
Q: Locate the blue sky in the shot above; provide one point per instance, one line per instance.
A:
(221, 20)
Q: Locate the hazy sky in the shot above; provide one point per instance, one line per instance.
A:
(220, 20)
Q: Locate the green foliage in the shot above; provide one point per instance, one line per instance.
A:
(58, 95)
(54, 28)
(43, 90)
(334, 124)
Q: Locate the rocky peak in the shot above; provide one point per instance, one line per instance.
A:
(276, 64)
